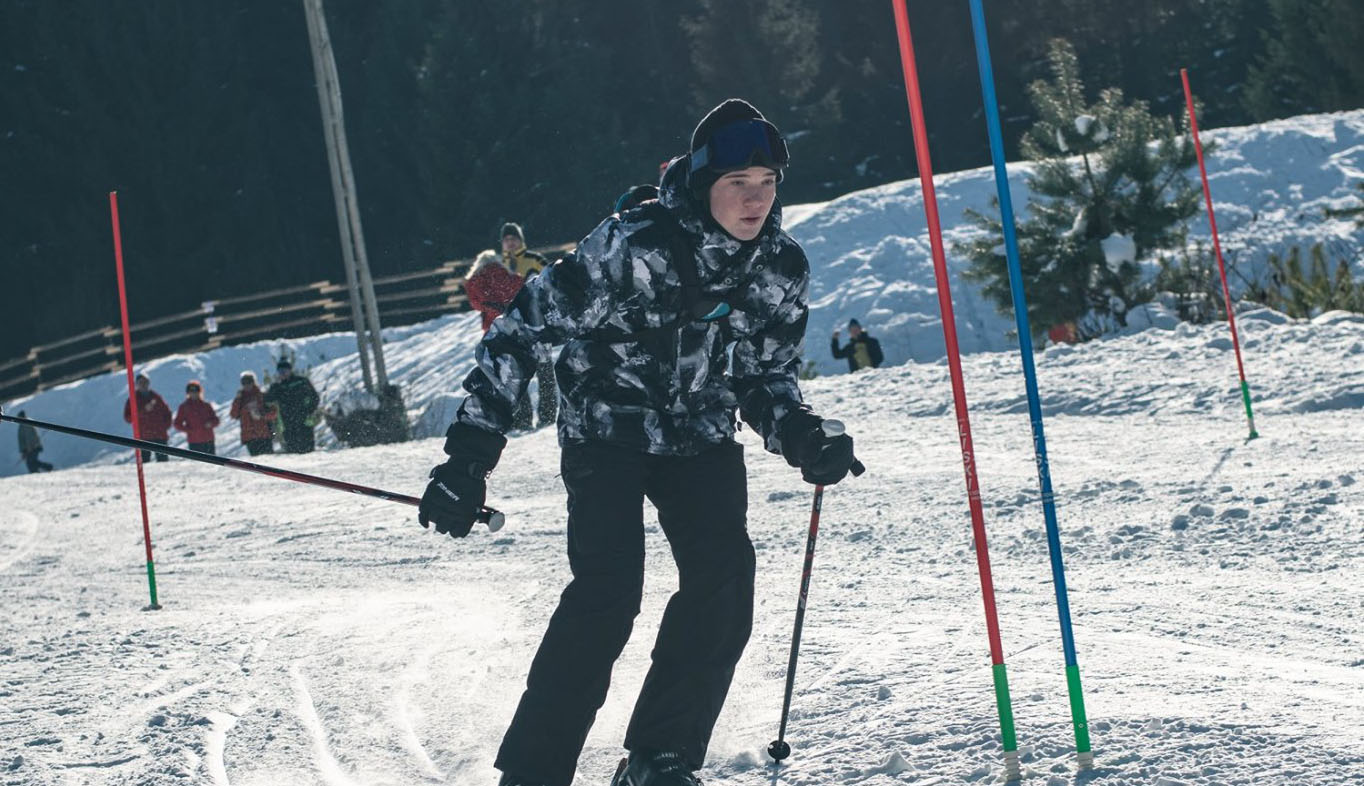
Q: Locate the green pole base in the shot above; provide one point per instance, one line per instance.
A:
(1077, 715)
(1006, 711)
(151, 587)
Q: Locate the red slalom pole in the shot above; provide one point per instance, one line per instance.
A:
(132, 398)
(1217, 248)
(949, 327)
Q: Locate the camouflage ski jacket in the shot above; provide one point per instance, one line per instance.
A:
(622, 379)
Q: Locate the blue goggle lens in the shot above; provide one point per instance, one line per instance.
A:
(746, 143)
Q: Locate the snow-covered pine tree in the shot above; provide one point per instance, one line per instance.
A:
(1109, 187)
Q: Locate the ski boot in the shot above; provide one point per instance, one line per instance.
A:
(654, 769)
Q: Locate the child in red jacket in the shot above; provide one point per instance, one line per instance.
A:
(196, 418)
(490, 287)
(153, 416)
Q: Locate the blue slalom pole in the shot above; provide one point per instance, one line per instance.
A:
(1084, 755)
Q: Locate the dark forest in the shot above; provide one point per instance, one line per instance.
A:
(462, 114)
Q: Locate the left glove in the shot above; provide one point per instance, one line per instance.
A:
(823, 460)
(459, 487)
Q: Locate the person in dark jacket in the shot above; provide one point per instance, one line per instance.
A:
(30, 446)
(250, 408)
(654, 373)
(297, 401)
(527, 265)
(196, 418)
(862, 350)
(153, 416)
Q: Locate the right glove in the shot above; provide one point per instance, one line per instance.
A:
(823, 460)
(459, 487)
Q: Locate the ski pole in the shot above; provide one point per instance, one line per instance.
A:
(779, 749)
(493, 518)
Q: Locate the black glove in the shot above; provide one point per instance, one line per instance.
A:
(459, 487)
(823, 460)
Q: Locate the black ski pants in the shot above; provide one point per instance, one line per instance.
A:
(147, 454)
(298, 437)
(702, 502)
(34, 463)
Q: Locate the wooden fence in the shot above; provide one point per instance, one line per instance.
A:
(291, 312)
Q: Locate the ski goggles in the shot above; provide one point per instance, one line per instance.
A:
(742, 144)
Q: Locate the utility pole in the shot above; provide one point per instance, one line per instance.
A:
(364, 309)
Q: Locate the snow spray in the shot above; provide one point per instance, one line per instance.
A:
(1084, 755)
(916, 113)
(133, 406)
(1217, 248)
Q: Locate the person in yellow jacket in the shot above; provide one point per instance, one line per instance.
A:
(527, 264)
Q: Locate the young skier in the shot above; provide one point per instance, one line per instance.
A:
(672, 315)
(196, 418)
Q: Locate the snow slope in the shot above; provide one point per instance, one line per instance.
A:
(311, 637)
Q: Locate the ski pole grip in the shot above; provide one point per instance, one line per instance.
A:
(835, 428)
(493, 518)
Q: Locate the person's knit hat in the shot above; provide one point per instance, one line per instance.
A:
(247, 375)
(728, 113)
(514, 230)
(141, 376)
(284, 363)
(852, 323)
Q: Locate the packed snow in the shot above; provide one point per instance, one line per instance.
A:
(312, 637)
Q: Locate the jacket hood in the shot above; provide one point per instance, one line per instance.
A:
(483, 260)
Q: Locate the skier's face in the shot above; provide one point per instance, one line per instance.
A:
(511, 244)
(741, 200)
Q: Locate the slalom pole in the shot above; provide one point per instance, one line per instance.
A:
(1084, 756)
(779, 749)
(132, 398)
(1217, 248)
(493, 518)
(1001, 681)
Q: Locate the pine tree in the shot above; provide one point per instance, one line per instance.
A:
(1191, 280)
(1108, 189)
(1303, 294)
(1313, 61)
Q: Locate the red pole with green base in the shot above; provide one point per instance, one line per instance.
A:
(1217, 247)
(132, 399)
(916, 113)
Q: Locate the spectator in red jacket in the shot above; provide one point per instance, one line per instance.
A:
(249, 408)
(490, 287)
(196, 418)
(153, 416)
